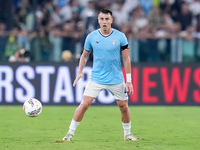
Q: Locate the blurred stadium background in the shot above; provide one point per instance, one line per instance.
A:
(41, 42)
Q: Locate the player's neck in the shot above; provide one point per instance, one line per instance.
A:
(106, 32)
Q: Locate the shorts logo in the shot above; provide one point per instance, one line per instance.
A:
(125, 92)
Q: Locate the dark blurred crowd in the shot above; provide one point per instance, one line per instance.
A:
(55, 30)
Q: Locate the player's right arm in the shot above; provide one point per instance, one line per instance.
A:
(82, 63)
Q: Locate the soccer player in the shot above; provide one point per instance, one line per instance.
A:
(108, 45)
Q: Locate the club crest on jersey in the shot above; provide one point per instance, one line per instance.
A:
(113, 41)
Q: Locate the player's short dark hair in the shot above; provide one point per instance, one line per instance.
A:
(106, 11)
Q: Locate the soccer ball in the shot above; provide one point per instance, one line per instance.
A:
(32, 107)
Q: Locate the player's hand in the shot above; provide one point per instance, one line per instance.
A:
(79, 75)
(129, 88)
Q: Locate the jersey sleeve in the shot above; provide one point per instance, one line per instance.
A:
(124, 42)
(87, 44)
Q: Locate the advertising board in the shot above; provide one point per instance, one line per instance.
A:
(51, 83)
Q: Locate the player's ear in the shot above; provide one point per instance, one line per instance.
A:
(111, 20)
(98, 19)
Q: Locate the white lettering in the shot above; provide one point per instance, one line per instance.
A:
(63, 87)
(45, 72)
(6, 78)
(28, 90)
(81, 84)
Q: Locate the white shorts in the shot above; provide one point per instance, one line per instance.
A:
(117, 90)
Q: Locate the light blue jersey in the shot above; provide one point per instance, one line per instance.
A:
(106, 56)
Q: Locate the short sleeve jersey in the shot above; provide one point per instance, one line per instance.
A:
(106, 56)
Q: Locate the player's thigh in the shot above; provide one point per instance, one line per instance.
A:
(119, 91)
(92, 89)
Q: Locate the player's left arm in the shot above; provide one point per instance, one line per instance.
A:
(127, 67)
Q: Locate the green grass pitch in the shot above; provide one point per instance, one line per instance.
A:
(158, 127)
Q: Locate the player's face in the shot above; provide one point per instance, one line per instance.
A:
(105, 21)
